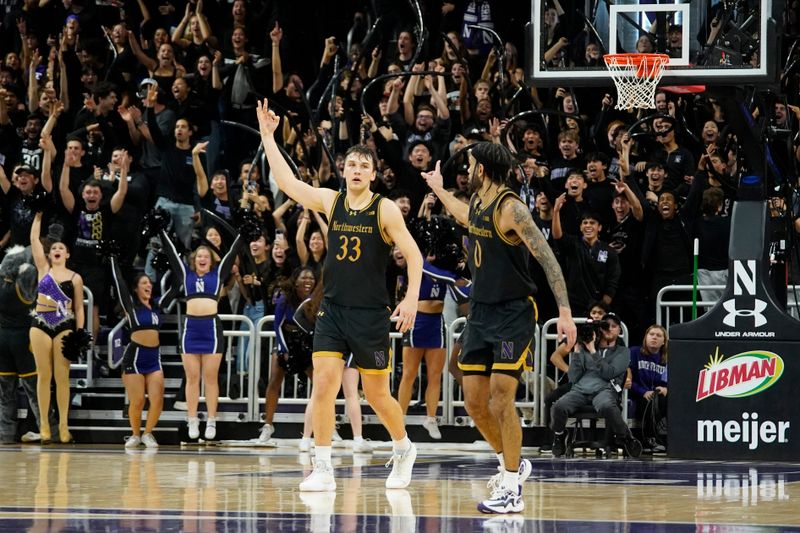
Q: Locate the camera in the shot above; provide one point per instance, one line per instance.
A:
(590, 331)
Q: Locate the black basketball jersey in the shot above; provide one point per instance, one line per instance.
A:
(499, 264)
(358, 255)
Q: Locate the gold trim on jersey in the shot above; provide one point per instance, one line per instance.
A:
(535, 309)
(384, 236)
(333, 206)
(340, 355)
(495, 223)
(523, 358)
(483, 207)
(29, 374)
(472, 368)
(373, 371)
(520, 362)
(375, 196)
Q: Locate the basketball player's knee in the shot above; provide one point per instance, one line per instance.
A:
(377, 395)
(325, 388)
(476, 406)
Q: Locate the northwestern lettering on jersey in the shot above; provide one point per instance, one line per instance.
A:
(480, 232)
(351, 228)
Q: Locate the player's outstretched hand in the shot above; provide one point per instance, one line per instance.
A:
(267, 119)
(434, 178)
(406, 313)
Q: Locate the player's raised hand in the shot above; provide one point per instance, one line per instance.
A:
(267, 119)
(434, 178)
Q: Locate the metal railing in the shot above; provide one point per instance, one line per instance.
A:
(257, 403)
(87, 367)
(454, 331)
(547, 336)
(451, 403)
(114, 342)
(667, 308)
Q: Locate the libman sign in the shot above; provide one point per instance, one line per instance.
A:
(740, 375)
(737, 401)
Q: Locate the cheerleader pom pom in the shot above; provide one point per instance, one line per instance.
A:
(249, 225)
(160, 262)
(156, 220)
(38, 202)
(76, 344)
(109, 248)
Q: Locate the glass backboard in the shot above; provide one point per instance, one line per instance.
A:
(710, 42)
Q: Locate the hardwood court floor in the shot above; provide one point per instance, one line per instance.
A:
(79, 488)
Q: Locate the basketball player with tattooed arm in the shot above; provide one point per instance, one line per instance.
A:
(354, 315)
(497, 341)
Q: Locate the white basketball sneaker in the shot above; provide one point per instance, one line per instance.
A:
(400, 476)
(320, 479)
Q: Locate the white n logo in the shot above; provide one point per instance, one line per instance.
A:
(744, 276)
(199, 285)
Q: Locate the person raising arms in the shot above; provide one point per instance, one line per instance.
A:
(354, 315)
(500, 327)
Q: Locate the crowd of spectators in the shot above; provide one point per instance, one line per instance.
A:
(166, 90)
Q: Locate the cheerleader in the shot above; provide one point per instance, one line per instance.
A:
(142, 361)
(58, 311)
(202, 278)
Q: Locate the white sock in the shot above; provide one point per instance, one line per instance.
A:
(194, 420)
(358, 439)
(400, 446)
(211, 422)
(511, 480)
(322, 454)
(502, 462)
(431, 419)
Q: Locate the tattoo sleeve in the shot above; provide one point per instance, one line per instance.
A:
(540, 249)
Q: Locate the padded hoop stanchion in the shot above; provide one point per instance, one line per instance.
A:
(684, 89)
(636, 77)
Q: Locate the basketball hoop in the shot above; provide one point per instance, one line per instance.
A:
(636, 77)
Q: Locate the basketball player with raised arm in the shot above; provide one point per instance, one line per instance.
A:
(354, 317)
(497, 341)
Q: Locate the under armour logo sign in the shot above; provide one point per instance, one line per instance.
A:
(733, 312)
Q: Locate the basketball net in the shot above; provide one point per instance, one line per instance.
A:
(636, 77)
